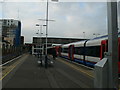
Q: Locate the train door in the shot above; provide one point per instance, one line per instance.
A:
(59, 51)
(119, 49)
(119, 55)
(56, 49)
(104, 48)
(71, 52)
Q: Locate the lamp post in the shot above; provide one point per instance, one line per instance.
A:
(46, 62)
(47, 32)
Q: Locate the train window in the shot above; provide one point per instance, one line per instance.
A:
(65, 50)
(50, 51)
(79, 50)
(34, 50)
(60, 49)
(34, 46)
(92, 51)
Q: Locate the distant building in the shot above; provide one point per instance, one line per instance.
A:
(11, 31)
(40, 43)
(29, 47)
(55, 40)
(22, 40)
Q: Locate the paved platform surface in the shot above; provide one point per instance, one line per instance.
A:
(59, 75)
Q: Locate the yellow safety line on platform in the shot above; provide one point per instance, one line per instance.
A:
(11, 69)
(75, 68)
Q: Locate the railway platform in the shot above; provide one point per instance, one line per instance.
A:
(27, 73)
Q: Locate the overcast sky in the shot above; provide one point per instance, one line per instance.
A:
(71, 18)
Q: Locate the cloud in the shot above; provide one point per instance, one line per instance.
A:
(77, 18)
(26, 10)
(71, 18)
(0, 9)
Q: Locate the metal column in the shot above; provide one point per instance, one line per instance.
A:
(106, 71)
(46, 61)
(101, 74)
(112, 44)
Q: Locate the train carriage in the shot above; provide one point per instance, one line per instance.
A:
(71, 52)
(64, 51)
(87, 52)
(94, 50)
(79, 51)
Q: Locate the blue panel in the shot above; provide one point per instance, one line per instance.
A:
(86, 63)
(66, 57)
(90, 64)
(79, 61)
(18, 34)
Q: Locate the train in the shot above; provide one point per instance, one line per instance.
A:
(87, 52)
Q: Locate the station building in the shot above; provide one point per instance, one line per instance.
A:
(40, 42)
(11, 31)
(22, 40)
(55, 40)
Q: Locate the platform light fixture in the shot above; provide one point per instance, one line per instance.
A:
(47, 31)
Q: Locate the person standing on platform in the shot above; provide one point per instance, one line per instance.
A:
(54, 53)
